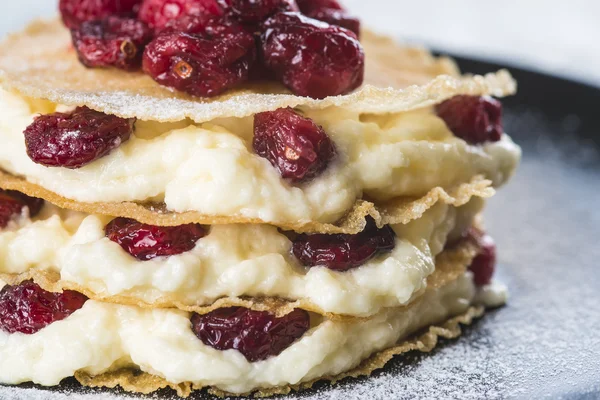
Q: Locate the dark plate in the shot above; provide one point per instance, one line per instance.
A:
(546, 341)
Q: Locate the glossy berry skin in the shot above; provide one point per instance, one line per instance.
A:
(484, 263)
(12, 204)
(310, 57)
(330, 11)
(74, 12)
(208, 26)
(307, 6)
(256, 11)
(111, 42)
(75, 139)
(157, 13)
(342, 252)
(475, 119)
(201, 65)
(258, 335)
(27, 308)
(337, 17)
(146, 242)
(298, 147)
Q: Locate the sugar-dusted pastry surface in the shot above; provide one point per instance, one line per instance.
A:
(211, 167)
(231, 261)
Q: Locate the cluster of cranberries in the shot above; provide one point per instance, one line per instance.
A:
(258, 335)
(12, 204)
(27, 308)
(205, 47)
(146, 242)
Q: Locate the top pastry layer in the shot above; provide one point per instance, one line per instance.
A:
(40, 62)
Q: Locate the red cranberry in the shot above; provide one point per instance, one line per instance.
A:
(337, 17)
(474, 119)
(342, 252)
(205, 25)
(298, 147)
(75, 139)
(27, 308)
(111, 42)
(258, 335)
(312, 58)
(307, 6)
(10, 208)
(12, 203)
(201, 65)
(146, 242)
(484, 264)
(74, 12)
(157, 13)
(255, 11)
(330, 11)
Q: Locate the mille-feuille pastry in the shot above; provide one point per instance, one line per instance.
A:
(240, 195)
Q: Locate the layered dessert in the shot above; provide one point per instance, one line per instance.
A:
(244, 196)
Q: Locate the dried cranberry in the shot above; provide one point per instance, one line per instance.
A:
(342, 252)
(330, 11)
(75, 139)
(27, 308)
(205, 25)
(74, 12)
(10, 207)
(337, 17)
(311, 57)
(484, 263)
(475, 119)
(12, 203)
(298, 147)
(307, 6)
(255, 11)
(146, 242)
(157, 13)
(111, 42)
(201, 65)
(258, 335)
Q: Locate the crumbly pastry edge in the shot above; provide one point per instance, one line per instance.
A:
(398, 211)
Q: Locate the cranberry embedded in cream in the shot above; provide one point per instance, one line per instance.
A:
(342, 252)
(75, 139)
(475, 119)
(258, 335)
(146, 242)
(27, 308)
(298, 147)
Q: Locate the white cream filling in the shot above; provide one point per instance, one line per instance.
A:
(101, 336)
(232, 260)
(211, 168)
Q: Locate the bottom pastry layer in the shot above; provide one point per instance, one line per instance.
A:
(101, 344)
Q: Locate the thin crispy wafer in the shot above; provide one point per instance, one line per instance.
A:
(40, 62)
(140, 382)
(399, 211)
(450, 264)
